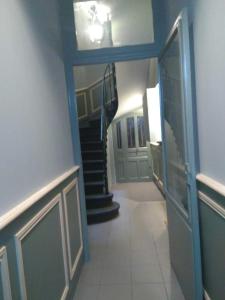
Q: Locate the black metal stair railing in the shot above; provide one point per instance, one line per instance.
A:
(109, 106)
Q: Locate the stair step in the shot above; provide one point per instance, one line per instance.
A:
(92, 161)
(90, 172)
(93, 154)
(95, 123)
(94, 183)
(98, 200)
(91, 145)
(93, 165)
(93, 175)
(90, 137)
(99, 215)
(94, 187)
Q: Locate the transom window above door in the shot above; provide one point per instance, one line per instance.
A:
(113, 23)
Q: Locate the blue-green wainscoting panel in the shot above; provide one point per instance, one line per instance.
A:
(180, 231)
(73, 225)
(41, 255)
(212, 229)
(37, 246)
(5, 288)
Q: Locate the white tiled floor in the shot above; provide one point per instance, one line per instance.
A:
(130, 255)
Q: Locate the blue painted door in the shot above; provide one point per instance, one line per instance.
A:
(132, 155)
(179, 159)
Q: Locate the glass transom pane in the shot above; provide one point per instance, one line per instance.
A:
(111, 23)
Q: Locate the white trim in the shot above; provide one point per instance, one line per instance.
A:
(72, 265)
(5, 274)
(155, 176)
(211, 203)
(26, 230)
(212, 183)
(206, 295)
(27, 203)
(85, 104)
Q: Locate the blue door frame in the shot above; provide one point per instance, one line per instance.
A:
(182, 27)
(73, 57)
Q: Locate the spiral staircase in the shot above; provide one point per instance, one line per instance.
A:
(93, 136)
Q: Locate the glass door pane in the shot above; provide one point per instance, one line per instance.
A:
(119, 135)
(174, 124)
(141, 131)
(131, 133)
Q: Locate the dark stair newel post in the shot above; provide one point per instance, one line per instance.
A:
(99, 203)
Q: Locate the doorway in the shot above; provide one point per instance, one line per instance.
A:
(132, 155)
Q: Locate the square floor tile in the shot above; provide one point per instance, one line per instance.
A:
(142, 257)
(116, 275)
(117, 292)
(119, 258)
(174, 291)
(148, 273)
(90, 276)
(149, 292)
(85, 292)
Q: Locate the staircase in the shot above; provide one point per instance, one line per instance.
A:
(99, 201)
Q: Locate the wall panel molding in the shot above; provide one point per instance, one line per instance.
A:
(72, 264)
(82, 94)
(27, 203)
(212, 183)
(5, 274)
(57, 201)
(212, 204)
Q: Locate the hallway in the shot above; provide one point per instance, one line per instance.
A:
(130, 254)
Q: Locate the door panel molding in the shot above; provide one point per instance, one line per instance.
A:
(181, 28)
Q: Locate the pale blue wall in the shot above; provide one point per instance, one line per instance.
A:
(209, 47)
(35, 138)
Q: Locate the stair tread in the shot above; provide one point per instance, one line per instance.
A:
(93, 161)
(90, 183)
(101, 196)
(93, 172)
(91, 142)
(108, 209)
(92, 151)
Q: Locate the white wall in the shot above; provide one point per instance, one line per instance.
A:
(111, 171)
(34, 124)
(154, 114)
(209, 47)
(131, 84)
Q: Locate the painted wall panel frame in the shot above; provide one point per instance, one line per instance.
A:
(72, 264)
(85, 104)
(92, 89)
(19, 236)
(4, 270)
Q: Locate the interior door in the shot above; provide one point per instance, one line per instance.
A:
(132, 158)
(179, 159)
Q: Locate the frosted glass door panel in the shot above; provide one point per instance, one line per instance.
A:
(173, 124)
(110, 23)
